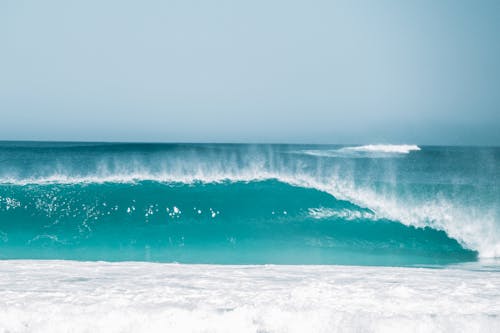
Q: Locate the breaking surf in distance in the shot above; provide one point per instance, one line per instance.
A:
(368, 151)
(249, 204)
(398, 149)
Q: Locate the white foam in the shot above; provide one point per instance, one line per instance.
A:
(371, 151)
(398, 149)
(345, 214)
(131, 178)
(65, 296)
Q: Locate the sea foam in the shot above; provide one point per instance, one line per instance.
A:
(366, 151)
(398, 149)
(62, 296)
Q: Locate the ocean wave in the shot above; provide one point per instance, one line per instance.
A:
(474, 229)
(408, 194)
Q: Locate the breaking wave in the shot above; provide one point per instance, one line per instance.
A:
(262, 196)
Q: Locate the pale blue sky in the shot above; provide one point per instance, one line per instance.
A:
(424, 72)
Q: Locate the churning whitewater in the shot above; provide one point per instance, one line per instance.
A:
(71, 296)
(249, 204)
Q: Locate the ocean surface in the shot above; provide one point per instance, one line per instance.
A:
(249, 204)
(284, 235)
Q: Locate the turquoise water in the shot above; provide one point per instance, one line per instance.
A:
(249, 204)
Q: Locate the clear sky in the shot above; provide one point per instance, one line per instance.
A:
(424, 72)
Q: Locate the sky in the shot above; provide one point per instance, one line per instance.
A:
(417, 72)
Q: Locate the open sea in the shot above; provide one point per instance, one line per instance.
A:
(119, 237)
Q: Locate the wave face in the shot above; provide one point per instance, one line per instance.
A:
(246, 204)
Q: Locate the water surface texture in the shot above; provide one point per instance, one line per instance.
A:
(398, 205)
